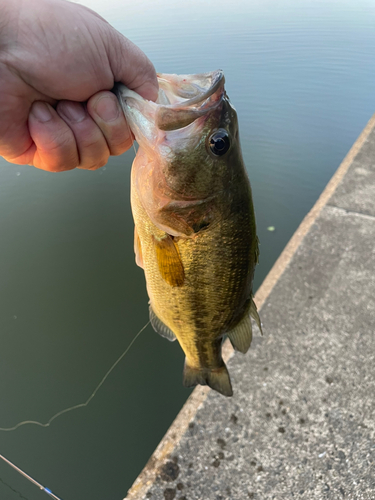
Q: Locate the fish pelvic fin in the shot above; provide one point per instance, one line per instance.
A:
(160, 327)
(138, 249)
(217, 378)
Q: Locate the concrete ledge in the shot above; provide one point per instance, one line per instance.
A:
(301, 422)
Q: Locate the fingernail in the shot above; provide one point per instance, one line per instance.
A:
(41, 111)
(107, 108)
(73, 111)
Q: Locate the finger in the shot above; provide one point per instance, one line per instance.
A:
(92, 146)
(56, 148)
(131, 66)
(105, 110)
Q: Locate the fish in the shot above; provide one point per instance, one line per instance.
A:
(195, 230)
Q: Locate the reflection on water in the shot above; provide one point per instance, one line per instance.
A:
(301, 77)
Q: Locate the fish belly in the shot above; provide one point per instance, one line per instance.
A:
(218, 268)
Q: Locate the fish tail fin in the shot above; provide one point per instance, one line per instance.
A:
(193, 376)
(217, 378)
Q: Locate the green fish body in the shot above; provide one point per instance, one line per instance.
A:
(195, 232)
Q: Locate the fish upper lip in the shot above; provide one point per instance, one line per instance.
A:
(217, 79)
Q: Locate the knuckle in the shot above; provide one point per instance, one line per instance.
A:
(59, 142)
(64, 163)
(99, 164)
(94, 163)
(52, 166)
(119, 139)
(55, 145)
(103, 162)
(60, 164)
(118, 149)
(60, 168)
(89, 143)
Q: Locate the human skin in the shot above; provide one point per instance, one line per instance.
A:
(58, 62)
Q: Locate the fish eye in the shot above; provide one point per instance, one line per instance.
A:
(219, 142)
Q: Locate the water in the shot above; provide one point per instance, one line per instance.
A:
(301, 76)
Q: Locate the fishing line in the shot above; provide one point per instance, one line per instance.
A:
(131, 134)
(80, 405)
(66, 410)
(12, 489)
(40, 486)
(135, 150)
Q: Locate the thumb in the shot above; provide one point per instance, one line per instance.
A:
(131, 66)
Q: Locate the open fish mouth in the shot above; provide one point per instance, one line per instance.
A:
(188, 90)
(186, 97)
(182, 100)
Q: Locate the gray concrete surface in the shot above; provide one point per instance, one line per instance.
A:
(301, 423)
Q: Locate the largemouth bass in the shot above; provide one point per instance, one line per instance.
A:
(195, 234)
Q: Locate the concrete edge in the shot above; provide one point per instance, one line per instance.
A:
(280, 265)
(179, 426)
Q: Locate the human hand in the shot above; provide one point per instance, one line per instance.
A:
(58, 61)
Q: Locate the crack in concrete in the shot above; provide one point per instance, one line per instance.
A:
(346, 211)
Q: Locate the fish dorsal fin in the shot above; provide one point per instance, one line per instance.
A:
(138, 249)
(169, 261)
(160, 327)
(242, 334)
(254, 314)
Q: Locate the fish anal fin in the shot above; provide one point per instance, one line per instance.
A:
(218, 378)
(254, 314)
(241, 335)
(169, 261)
(138, 249)
(161, 328)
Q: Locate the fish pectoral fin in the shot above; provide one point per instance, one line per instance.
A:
(241, 335)
(138, 249)
(254, 314)
(169, 261)
(218, 378)
(160, 327)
